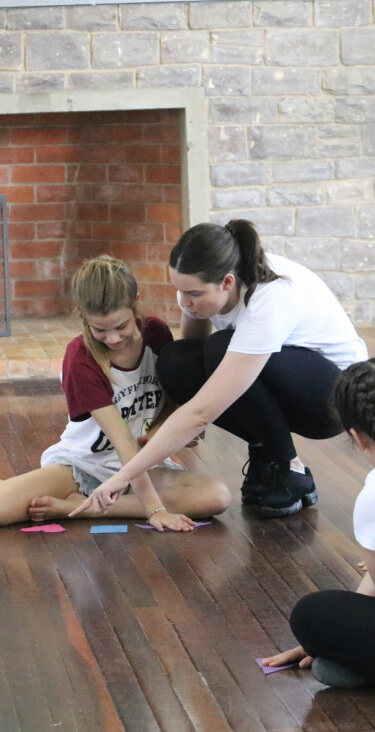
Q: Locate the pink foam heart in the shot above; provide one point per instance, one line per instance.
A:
(47, 529)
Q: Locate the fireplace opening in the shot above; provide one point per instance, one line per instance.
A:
(84, 183)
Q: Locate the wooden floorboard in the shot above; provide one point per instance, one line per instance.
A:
(148, 632)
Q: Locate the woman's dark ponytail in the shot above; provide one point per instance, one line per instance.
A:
(254, 267)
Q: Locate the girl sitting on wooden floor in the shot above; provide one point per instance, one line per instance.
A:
(113, 396)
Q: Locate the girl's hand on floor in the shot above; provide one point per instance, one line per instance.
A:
(176, 521)
(294, 654)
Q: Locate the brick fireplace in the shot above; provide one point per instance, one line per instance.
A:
(86, 181)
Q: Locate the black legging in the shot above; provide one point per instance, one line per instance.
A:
(291, 394)
(338, 625)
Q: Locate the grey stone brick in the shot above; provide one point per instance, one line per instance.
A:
(169, 76)
(342, 285)
(57, 51)
(240, 174)
(250, 37)
(338, 148)
(3, 18)
(302, 170)
(349, 82)
(358, 46)
(245, 110)
(280, 142)
(153, 16)
(220, 14)
(118, 50)
(269, 221)
(101, 80)
(365, 285)
(287, 13)
(361, 109)
(6, 83)
(302, 48)
(306, 109)
(48, 18)
(274, 244)
(285, 81)
(237, 198)
(184, 47)
(359, 311)
(314, 252)
(368, 134)
(356, 168)
(322, 221)
(330, 14)
(337, 131)
(11, 51)
(246, 55)
(39, 83)
(89, 18)
(227, 144)
(224, 80)
(349, 192)
(366, 222)
(303, 194)
(357, 255)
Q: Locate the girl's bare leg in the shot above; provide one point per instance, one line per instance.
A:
(17, 494)
(194, 495)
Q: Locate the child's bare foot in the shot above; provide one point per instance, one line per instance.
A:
(47, 507)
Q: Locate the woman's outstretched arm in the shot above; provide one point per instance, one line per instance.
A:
(233, 376)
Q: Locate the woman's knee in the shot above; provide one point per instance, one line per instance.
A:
(215, 348)
(180, 368)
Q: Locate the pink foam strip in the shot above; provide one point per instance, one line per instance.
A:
(46, 528)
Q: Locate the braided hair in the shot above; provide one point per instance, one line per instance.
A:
(354, 398)
(211, 251)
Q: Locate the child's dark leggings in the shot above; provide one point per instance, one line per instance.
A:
(291, 394)
(338, 625)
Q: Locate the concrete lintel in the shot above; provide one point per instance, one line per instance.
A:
(194, 148)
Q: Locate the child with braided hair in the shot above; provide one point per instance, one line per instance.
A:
(336, 627)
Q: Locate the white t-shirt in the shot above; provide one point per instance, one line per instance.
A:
(364, 514)
(299, 310)
(137, 396)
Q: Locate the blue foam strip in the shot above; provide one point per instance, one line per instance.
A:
(122, 529)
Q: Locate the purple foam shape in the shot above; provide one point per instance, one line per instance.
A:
(273, 669)
(46, 529)
(149, 526)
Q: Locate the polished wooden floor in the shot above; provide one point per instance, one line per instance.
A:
(148, 632)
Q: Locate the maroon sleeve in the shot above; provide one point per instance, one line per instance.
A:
(156, 334)
(86, 386)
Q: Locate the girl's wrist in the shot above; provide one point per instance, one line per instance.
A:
(156, 510)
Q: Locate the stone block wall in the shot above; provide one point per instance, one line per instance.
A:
(290, 95)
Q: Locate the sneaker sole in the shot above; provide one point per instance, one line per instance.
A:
(268, 512)
(309, 499)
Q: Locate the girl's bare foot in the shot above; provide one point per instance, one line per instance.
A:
(47, 507)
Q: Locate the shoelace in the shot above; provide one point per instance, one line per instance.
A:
(277, 482)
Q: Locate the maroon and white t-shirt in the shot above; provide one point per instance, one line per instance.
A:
(137, 395)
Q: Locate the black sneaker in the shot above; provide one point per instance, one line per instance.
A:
(287, 492)
(257, 474)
